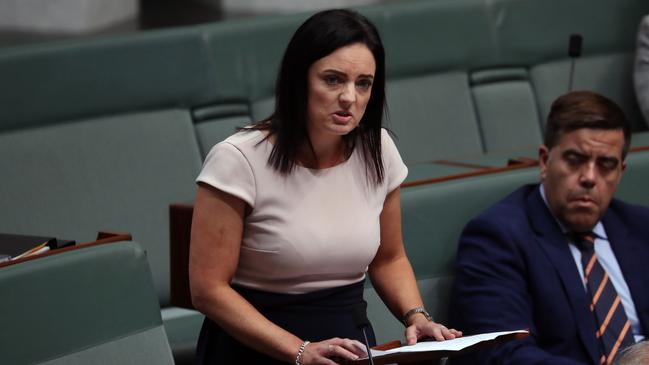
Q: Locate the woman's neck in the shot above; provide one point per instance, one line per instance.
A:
(322, 153)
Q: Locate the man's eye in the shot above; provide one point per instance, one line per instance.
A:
(574, 159)
(608, 164)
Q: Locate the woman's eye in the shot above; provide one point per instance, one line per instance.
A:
(364, 84)
(331, 80)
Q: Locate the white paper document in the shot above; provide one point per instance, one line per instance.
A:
(448, 345)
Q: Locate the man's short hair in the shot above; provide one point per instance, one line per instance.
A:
(585, 109)
(636, 354)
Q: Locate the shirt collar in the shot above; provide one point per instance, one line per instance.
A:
(598, 230)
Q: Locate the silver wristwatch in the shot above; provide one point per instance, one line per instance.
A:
(415, 310)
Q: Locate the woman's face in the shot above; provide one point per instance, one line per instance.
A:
(339, 87)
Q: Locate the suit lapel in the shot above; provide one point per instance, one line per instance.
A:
(628, 253)
(552, 241)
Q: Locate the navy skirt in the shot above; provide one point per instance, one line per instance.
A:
(314, 316)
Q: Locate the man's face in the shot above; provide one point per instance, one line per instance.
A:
(580, 175)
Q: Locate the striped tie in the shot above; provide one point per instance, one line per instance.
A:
(613, 326)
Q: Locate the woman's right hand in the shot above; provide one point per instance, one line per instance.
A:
(328, 351)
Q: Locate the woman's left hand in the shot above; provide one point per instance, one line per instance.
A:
(422, 327)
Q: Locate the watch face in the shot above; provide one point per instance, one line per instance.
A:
(425, 314)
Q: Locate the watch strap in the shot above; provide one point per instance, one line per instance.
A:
(414, 311)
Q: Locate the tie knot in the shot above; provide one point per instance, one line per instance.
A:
(585, 241)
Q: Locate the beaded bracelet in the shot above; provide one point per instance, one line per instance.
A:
(298, 358)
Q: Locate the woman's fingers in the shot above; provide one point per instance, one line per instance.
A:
(326, 352)
(430, 329)
(411, 335)
(355, 347)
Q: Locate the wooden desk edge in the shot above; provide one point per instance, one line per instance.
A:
(102, 238)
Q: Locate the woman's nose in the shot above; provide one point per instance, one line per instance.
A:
(348, 94)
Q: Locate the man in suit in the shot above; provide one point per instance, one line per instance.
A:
(562, 258)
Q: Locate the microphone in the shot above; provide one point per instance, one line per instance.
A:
(574, 51)
(359, 313)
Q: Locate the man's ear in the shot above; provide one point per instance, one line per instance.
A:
(544, 155)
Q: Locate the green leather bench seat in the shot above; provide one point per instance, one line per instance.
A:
(500, 158)
(533, 36)
(93, 305)
(63, 81)
(633, 187)
(424, 171)
(608, 74)
(215, 123)
(99, 135)
(506, 107)
(182, 327)
(640, 139)
(432, 116)
(116, 173)
(263, 108)
(474, 77)
(443, 35)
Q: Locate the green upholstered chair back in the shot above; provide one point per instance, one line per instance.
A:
(117, 173)
(633, 187)
(98, 134)
(93, 305)
(63, 81)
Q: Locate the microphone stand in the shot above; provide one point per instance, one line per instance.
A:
(360, 318)
(574, 51)
(367, 346)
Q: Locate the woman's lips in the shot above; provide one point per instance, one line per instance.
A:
(342, 117)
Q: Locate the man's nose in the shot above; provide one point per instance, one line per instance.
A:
(588, 175)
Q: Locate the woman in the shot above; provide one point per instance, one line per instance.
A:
(291, 212)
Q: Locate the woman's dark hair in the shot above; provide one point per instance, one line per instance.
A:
(320, 35)
(585, 109)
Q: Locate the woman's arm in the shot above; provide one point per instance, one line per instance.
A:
(217, 230)
(394, 280)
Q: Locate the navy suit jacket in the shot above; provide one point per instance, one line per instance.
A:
(515, 271)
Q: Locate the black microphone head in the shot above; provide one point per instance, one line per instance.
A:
(359, 313)
(574, 49)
